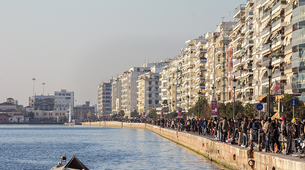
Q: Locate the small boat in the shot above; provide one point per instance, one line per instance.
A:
(73, 164)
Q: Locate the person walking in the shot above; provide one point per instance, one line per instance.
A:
(274, 136)
(204, 126)
(200, 126)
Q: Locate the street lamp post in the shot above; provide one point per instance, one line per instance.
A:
(269, 69)
(199, 93)
(234, 86)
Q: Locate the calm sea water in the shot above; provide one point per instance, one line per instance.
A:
(30, 147)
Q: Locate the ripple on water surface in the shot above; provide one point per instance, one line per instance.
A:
(31, 147)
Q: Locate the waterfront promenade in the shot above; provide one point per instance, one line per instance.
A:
(231, 156)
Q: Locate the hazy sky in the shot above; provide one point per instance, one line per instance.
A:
(77, 44)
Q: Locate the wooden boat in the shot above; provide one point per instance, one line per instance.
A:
(73, 164)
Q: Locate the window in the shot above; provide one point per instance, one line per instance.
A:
(156, 101)
(156, 82)
(149, 88)
(149, 95)
(149, 82)
(149, 101)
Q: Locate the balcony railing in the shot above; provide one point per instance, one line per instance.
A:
(236, 62)
(241, 21)
(289, 27)
(266, 30)
(248, 57)
(264, 80)
(266, 47)
(289, 7)
(237, 73)
(289, 47)
(277, 22)
(266, 15)
(278, 4)
(239, 8)
(249, 14)
(249, 42)
(277, 74)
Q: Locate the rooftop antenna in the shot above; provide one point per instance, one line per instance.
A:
(43, 88)
(222, 18)
(33, 86)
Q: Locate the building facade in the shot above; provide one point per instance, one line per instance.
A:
(105, 98)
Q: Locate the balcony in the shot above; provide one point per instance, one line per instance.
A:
(264, 2)
(249, 43)
(289, 9)
(277, 24)
(239, 10)
(280, 5)
(288, 49)
(238, 24)
(277, 60)
(247, 58)
(279, 76)
(236, 63)
(298, 37)
(237, 50)
(266, 16)
(265, 79)
(249, 15)
(239, 37)
(288, 29)
(266, 48)
(237, 74)
(266, 31)
(277, 42)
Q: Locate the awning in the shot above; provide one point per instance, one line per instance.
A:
(261, 98)
(264, 24)
(241, 53)
(288, 18)
(242, 80)
(265, 40)
(287, 58)
(275, 33)
(276, 14)
(278, 97)
(275, 116)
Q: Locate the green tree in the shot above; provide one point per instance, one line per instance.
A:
(239, 109)
(172, 115)
(203, 107)
(250, 110)
(121, 113)
(152, 113)
(222, 110)
(299, 109)
(134, 113)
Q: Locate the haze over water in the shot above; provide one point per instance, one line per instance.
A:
(30, 147)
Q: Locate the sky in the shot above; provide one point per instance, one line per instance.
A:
(77, 44)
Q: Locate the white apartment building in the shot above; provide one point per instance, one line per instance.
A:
(104, 98)
(116, 95)
(149, 97)
(64, 101)
(129, 88)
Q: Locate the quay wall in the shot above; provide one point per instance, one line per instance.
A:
(231, 156)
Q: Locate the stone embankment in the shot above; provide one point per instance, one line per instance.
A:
(231, 156)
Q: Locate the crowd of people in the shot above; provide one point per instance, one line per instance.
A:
(278, 135)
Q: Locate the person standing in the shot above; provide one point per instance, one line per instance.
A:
(267, 133)
(284, 134)
(290, 130)
(244, 126)
(200, 126)
(274, 136)
(204, 126)
(225, 129)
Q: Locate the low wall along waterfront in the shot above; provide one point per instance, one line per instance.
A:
(231, 156)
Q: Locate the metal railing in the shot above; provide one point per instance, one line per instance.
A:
(278, 4)
(264, 80)
(247, 57)
(277, 74)
(248, 14)
(266, 47)
(290, 6)
(266, 30)
(277, 22)
(265, 15)
(236, 62)
(239, 8)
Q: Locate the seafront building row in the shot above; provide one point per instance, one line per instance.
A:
(265, 33)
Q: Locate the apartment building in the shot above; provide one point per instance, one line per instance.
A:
(129, 88)
(218, 80)
(184, 77)
(149, 97)
(116, 95)
(105, 98)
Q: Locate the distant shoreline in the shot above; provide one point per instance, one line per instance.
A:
(30, 123)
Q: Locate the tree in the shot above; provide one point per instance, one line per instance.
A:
(250, 110)
(172, 115)
(121, 113)
(239, 109)
(299, 109)
(222, 110)
(152, 113)
(204, 108)
(134, 113)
